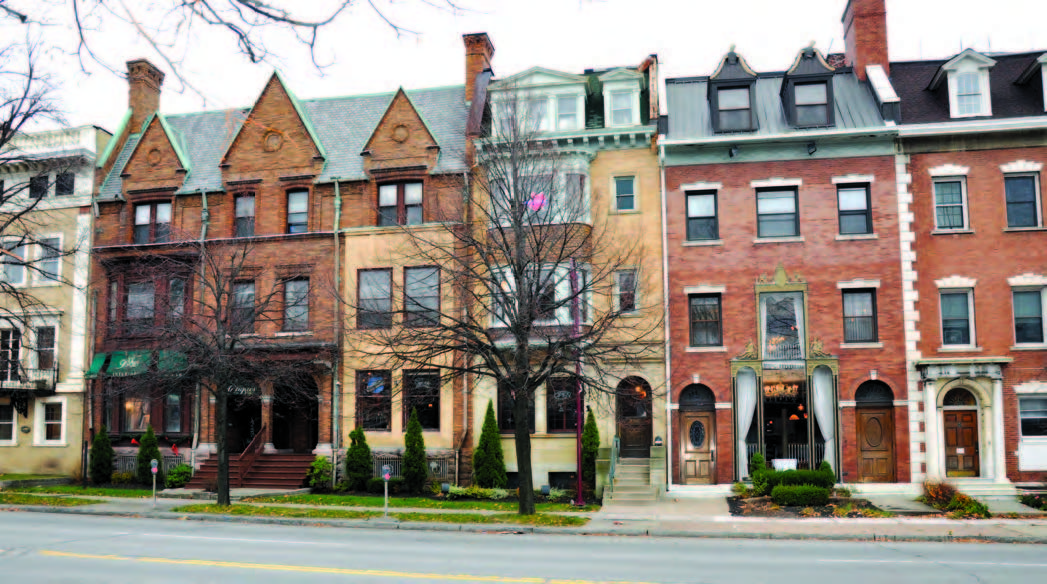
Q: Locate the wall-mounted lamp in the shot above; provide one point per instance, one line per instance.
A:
(732, 151)
(811, 148)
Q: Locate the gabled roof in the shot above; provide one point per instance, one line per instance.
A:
(952, 64)
(1032, 69)
(392, 100)
(111, 145)
(173, 137)
(558, 76)
(621, 74)
(733, 67)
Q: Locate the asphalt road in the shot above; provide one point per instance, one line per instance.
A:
(51, 548)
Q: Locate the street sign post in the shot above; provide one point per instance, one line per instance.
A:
(155, 468)
(387, 472)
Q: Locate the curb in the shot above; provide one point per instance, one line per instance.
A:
(511, 529)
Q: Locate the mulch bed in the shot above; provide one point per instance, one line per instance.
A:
(764, 507)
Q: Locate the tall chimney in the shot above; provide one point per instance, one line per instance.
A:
(143, 91)
(865, 35)
(478, 53)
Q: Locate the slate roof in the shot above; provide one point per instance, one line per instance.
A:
(343, 126)
(1009, 100)
(687, 101)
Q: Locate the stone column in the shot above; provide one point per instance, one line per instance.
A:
(267, 417)
(999, 447)
(930, 426)
(324, 393)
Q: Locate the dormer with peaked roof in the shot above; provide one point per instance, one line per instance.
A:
(622, 88)
(967, 78)
(401, 140)
(807, 90)
(1036, 73)
(552, 101)
(158, 159)
(732, 95)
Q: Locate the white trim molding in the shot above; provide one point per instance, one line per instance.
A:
(1021, 166)
(858, 283)
(704, 289)
(1027, 279)
(1031, 388)
(955, 282)
(949, 170)
(776, 182)
(702, 186)
(39, 424)
(853, 178)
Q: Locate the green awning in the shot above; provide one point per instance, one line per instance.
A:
(96, 365)
(172, 361)
(127, 363)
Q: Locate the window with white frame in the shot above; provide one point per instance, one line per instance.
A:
(626, 284)
(49, 421)
(10, 354)
(7, 423)
(1029, 318)
(46, 347)
(49, 263)
(1023, 200)
(957, 311)
(567, 112)
(552, 298)
(542, 197)
(625, 193)
(950, 203)
(536, 115)
(622, 108)
(969, 93)
(1032, 412)
(13, 261)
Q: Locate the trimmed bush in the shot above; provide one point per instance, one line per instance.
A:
(148, 450)
(319, 476)
(179, 476)
(359, 465)
(414, 465)
(800, 495)
(590, 449)
(764, 481)
(101, 467)
(488, 460)
(757, 462)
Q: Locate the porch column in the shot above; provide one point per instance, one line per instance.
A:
(324, 392)
(930, 426)
(267, 417)
(999, 450)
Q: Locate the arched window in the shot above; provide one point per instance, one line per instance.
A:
(874, 393)
(959, 396)
(696, 398)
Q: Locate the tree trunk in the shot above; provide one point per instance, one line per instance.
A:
(522, 433)
(222, 444)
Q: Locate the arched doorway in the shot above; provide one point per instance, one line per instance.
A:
(960, 428)
(634, 417)
(697, 438)
(875, 427)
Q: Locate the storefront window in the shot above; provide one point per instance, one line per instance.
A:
(136, 414)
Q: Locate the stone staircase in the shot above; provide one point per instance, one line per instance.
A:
(269, 471)
(632, 483)
(984, 488)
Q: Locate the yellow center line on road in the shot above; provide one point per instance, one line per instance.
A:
(323, 570)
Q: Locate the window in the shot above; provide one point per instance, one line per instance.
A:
(859, 316)
(297, 211)
(506, 417)
(734, 111)
(812, 104)
(14, 263)
(855, 211)
(10, 354)
(1032, 411)
(537, 114)
(7, 423)
(421, 296)
(175, 298)
(561, 404)
(776, 213)
(567, 112)
(1023, 206)
(173, 413)
(422, 394)
(141, 305)
(704, 310)
(53, 422)
(621, 108)
(50, 259)
(545, 300)
(701, 217)
(783, 325)
(950, 202)
(376, 299)
(38, 186)
(296, 305)
(242, 307)
(968, 94)
(625, 280)
(152, 223)
(374, 402)
(65, 184)
(625, 193)
(400, 204)
(45, 347)
(244, 222)
(956, 318)
(137, 415)
(1028, 316)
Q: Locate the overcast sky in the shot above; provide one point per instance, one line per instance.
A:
(365, 56)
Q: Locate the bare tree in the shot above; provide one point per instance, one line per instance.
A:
(533, 277)
(204, 309)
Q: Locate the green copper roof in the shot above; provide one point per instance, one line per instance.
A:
(111, 145)
(302, 115)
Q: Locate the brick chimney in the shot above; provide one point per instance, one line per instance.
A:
(478, 53)
(865, 35)
(143, 91)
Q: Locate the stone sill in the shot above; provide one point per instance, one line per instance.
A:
(293, 334)
(720, 349)
(1024, 229)
(952, 232)
(624, 212)
(878, 345)
(857, 237)
(1037, 347)
(960, 349)
(795, 239)
(702, 243)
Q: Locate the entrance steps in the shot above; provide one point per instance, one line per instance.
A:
(632, 483)
(269, 471)
(984, 488)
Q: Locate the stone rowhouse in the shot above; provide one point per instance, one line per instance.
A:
(43, 353)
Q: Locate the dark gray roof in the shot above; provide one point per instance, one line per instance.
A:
(688, 104)
(343, 125)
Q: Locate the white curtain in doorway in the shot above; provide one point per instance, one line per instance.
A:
(745, 389)
(823, 410)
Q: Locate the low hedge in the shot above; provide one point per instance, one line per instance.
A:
(764, 481)
(800, 495)
(375, 485)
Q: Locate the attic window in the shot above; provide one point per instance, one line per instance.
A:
(622, 108)
(968, 94)
(734, 109)
(812, 104)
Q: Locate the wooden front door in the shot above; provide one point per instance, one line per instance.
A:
(876, 445)
(961, 443)
(697, 452)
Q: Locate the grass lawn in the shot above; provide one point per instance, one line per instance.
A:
(544, 520)
(415, 502)
(27, 477)
(7, 498)
(88, 492)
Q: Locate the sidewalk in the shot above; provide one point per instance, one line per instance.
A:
(698, 518)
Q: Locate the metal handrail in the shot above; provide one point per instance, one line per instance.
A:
(615, 446)
(250, 454)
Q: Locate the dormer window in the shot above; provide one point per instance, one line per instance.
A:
(621, 108)
(812, 104)
(734, 109)
(967, 78)
(807, 90)
(731, 95)
(537, 108)
(567, 112)
(622, 88)
(968, 94)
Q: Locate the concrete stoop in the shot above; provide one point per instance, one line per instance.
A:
(985, 489)
(632, 483)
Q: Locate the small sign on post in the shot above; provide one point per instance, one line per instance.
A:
(387, 472)
(155, 468)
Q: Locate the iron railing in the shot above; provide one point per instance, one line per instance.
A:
(125, 463)
(616, 445)
(19, 378)
(441, 464)
(250, 455)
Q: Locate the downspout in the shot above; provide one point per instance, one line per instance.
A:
(467, 381)
(336, 382)
(205, 219)
(665, 328)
